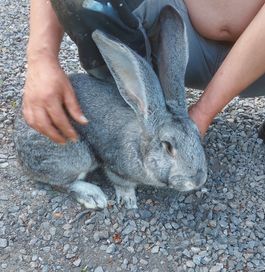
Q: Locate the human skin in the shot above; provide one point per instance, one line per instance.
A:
(244, 64)
(48, 94)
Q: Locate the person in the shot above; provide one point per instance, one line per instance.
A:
(227, 58)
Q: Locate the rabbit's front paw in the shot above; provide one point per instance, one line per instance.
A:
(125, 195)
(90, 195)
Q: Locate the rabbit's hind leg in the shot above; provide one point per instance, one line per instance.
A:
(65, 167)
(80, 162)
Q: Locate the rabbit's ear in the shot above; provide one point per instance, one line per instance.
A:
(173, 58)
(135, 79)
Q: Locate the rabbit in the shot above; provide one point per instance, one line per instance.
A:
(139, 133)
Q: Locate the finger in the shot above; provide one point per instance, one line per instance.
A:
(44, 126)
(28, 115)
(72, 106)
(39, 120)
(60, 121)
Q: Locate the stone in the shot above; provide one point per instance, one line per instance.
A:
(4, 165)
(111, 249)
(190, 264)
(77, 262)
(143, 262)
(129, 229)
(3, 243)
(99, 269)
(218, 267)
(155, 249)
(99, 235)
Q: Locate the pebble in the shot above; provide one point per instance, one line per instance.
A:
(67, 227)
(33, 265)
(212, 223)
(3, 243)
(155, 249)
(186, 253)
(218, 267)
(70, 255)
(47, 249)
(230, 195)
(197, 259)
(145, 214)
(34, 258)
(52, 231)
(77, 262)
(2, 230)
(134, 260)
(190, 264)
(99, 235)
(14, 209)
(130, 249)
(4, 165)
(99, 269)
(33, 241)
(23, 251)
(47, 237)
(4, 265)
(129, 229)
(3, 197)
(111, 249)
(143, 262)
(66, 247)
(124, 264)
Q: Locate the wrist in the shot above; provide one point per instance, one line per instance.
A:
(200, 117)
(34, 54)
(38, 57)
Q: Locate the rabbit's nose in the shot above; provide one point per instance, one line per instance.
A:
(200, 178)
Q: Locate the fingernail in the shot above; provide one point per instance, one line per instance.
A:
(84, 119)
(62, 143)
(74, 140)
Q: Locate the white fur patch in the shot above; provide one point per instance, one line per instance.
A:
(126, 196)
(90, 195)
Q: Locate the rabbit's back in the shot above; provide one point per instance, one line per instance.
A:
(99, 98)
(108, 114)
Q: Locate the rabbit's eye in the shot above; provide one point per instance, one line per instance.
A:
(169, 148)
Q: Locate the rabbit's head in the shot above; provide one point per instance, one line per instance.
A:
(172, 154)
(174, 157)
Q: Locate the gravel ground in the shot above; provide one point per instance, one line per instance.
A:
(220, 228)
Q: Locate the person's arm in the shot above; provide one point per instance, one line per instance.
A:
(244, 64)
(47, 91)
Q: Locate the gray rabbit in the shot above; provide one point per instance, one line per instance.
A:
(138, 133)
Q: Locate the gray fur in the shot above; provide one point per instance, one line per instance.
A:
(172, 77)
(133, 136)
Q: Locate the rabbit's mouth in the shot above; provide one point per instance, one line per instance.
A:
(185, 184)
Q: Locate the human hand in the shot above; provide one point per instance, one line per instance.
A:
(201, 119)
(48, 97)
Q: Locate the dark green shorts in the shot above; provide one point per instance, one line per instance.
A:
(205, 56)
